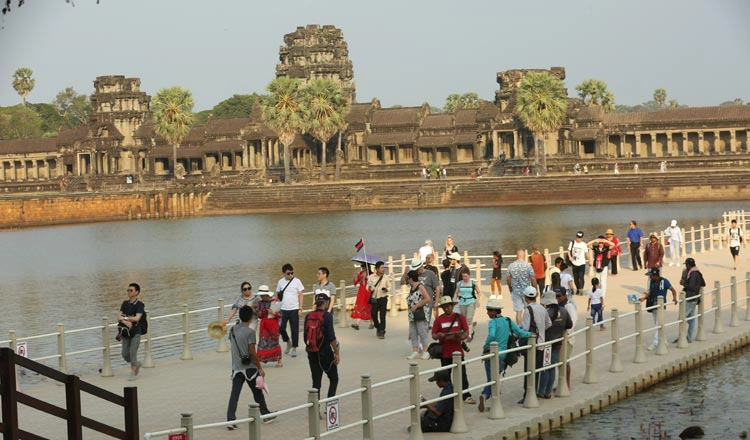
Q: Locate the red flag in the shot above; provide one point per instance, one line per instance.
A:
(360, 244)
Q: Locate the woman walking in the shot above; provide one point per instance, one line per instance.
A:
(269, 349)
(246, 298)
(362, 309)
(417, 300)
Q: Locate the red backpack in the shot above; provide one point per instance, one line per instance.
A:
(314, 331)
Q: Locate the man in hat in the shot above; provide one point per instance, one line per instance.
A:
(438, 416)
(535, 320)
(692, 282)
(450, 329)
(657, 286)
(322, 346)
(578, 252)
(520, 276)
(379, 284)
(246, 366)
(653, 254)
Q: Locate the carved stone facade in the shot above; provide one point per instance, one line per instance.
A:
(315, 51)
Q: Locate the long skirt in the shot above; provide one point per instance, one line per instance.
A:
(362, 308)
(269, 349)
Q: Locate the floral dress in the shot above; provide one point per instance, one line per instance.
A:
(269, 349)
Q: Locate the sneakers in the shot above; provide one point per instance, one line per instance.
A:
(137, 368)
(413, 356)
(480, 407)
(294, 352)
(470, 401)
(372, 326)
(269, 420)
(232, 427)
(425, 356)
(355, 326)
(288, 348)
(651, 347)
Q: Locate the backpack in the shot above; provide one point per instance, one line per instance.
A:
(314, 331)
(143, 323)
(511, 358)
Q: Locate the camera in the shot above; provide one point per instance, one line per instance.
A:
(247, 360)
(384, 289)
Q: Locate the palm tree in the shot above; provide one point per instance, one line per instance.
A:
(283, 112)
(324, 112)
(541, 104)
(595, 92)
(173, 114)
(660, 96)
(23, 82)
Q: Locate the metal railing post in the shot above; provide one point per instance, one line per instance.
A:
(682, 316)
(186, 354)
(718, 325)
(615, 366)
(589, 376)
(661, 344)
(747, 296)
(313, 414)
(106, 361)
(343, 321)
(253, 411)
(415, 433)
(148, 359)
(221, 345)
(459, 423)
(186, 421)
(368, 430)
(14, 346)
(62, 363)
(734, 320)
(530, 401)
(562, 371)
(640, 353)
(496, 407)
(700, 327)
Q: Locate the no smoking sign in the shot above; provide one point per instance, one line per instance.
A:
(332, 415)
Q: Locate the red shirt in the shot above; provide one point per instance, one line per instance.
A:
(442, 324)
(537, 263)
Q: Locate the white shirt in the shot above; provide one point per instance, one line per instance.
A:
(675, 233)
(734, 237)
(290, 301)
(578, 251)
(424, 251)
(596, 296)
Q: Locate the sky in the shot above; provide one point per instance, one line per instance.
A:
(404, 52)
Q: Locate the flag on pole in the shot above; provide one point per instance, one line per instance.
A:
(360, 244)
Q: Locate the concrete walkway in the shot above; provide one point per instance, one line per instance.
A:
(201, 386)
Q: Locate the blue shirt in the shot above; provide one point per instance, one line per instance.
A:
(635, 235)
(659, 288)
(499, 330)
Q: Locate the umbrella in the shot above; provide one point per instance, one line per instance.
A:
(367, 258)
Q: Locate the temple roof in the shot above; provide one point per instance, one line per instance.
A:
(22, 146)
(396, 117)
(391, 138)
(466, 138)
(196, 135)
(70, 136)
(358, 114)
(580, 134)
(466, 117)
(440, 121)
(225, 126)
(590, 113)
(435, 141)
(690, 115)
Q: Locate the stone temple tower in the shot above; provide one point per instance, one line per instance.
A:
(119, 100)
(316, 51)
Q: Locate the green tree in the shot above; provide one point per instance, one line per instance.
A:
(237, 106)
(173, 115)
(19, 122)
(736, 101)
(466, 100)
(283, 112)
(595, 92)
(51, 121)
(201, 117)
(73, 107)
(23, 83)
(324, 111)
(673, 103)
(541, 105)
(660, 96)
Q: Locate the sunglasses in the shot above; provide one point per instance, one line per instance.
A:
(245, 289)
(290, 273)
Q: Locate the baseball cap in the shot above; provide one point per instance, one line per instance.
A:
(440, 375)
(653, 271)
(579, 234)
(530, 291)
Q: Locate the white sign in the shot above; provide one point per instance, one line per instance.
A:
(332, 415)
(547, 359)
(22, 349)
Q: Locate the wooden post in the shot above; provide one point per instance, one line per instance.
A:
(615, 366)
(459, 423)
(415, 433)
(548, 259)
(640, 354)
(131, 414)
(73, 407)
(368, 430)
(186, 354)
(221, 346)
(718, 325)
(106, 361)
(589, 376)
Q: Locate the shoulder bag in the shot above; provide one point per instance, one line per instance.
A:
(280, 293)
(374, 300)
(435, 349)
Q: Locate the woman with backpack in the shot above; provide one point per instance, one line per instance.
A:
(468, 300)
(500, 330)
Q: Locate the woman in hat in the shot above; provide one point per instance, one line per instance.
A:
(362, 309)
(417, 300)
(614, 250)
(269, 349)
(246, 298)
(600, 247)
(500, 328)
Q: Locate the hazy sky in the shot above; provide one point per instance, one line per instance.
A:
(404, 52)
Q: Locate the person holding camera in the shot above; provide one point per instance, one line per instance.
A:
(379, 285)
(246, 366)
(131, 311)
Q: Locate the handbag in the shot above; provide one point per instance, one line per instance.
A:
(435, 350)
(511, 358)
(374, 300)
(419, 314)
(280, 293)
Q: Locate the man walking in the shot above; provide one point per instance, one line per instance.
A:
(657, 286)
(578, 252)
(535, 320)
(325, 284)
(131, 312)
(379, 285)
(653, 255)
(692, 282)
(321, 344)
(635, 235)
(246, 366)
(289, 291)
(520, 276)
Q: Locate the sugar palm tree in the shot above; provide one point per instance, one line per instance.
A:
(173, 114)
(23, 83)
(541, 104)
(282, 110)
(660, 96)
(595, 92)
(324, 112)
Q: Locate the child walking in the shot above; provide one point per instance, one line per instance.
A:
(596, 302)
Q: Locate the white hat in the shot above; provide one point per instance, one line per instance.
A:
(455, 256)
(416, 263)
(263, 290)
(494, 304)
(549, 298)
(674, 223)
(530, 291)
(322, 292)
(445, 300)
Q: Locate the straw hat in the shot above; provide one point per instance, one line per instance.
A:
(416, 263)
(445, 300)
(263, 291)
(216, 330)
(494, 304)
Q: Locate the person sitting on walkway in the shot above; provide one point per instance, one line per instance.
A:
(657, 287)
(438, 416)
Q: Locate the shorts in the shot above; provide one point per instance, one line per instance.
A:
(735, 250)
(518, 302)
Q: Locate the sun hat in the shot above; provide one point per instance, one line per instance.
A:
(445, 300)
(530, 291)
(549, 297)
(609, 232)
(443, 375)
(263, 290)
(653, 235)
(216, 330)
(416, 263)
(454, 256)
(494, 304)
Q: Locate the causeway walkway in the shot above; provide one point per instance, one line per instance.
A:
(201, 386)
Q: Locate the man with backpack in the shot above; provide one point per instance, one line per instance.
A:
(321, 344)
(130, 328)
(692, 282)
